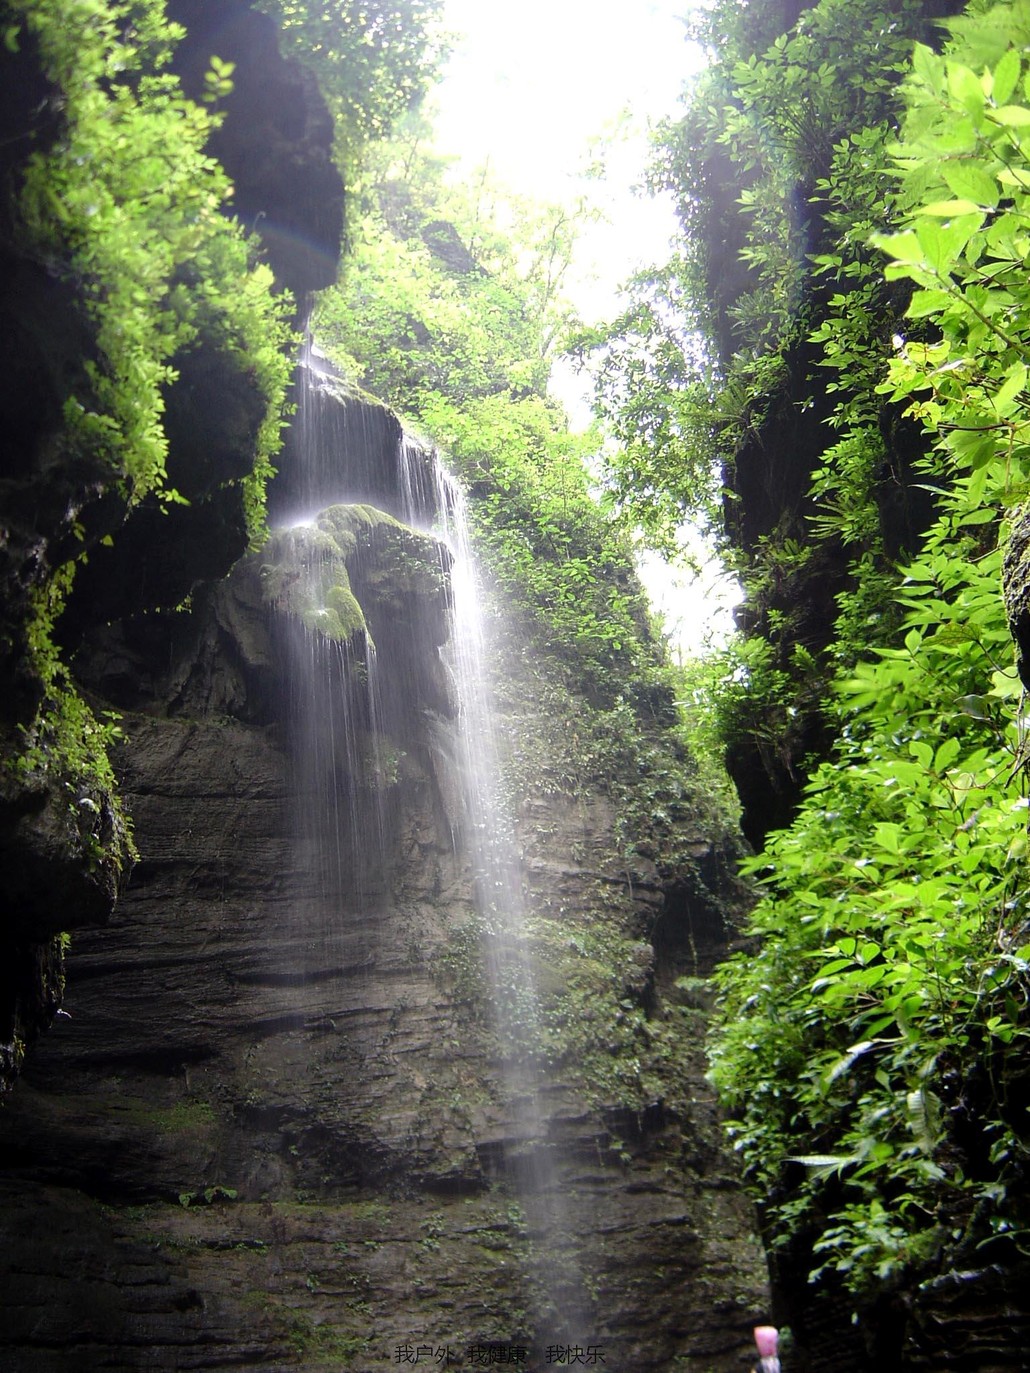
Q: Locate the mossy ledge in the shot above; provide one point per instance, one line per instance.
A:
(310, 570)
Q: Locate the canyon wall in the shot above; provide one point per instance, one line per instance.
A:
(277, 1127)
(273, 1121)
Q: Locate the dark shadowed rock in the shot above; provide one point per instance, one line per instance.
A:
(1016, 580)
(278, 1127)
(276, 141)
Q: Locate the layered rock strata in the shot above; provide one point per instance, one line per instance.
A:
(277, 1127)
(63, 844)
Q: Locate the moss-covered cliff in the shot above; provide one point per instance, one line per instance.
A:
(144, 365)
(282, 1121)
(282, 1099)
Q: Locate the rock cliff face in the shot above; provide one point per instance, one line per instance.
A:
(276, 141)
(282, 1122)
(63, 846)
(279, 1126)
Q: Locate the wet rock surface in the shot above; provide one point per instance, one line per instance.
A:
(276, 1128)
(62, 844)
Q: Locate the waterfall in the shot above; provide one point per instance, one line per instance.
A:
(489, 835)
(345, 447)
(345, 450)
(335, 716)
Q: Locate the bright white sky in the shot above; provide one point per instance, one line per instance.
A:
(531, 87)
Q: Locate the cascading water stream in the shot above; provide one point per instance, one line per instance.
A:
(341, 457)
(340, 825)
(335, 683)
(342, 448)
(489, 838)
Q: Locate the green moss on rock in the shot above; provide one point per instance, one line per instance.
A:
(307, 571)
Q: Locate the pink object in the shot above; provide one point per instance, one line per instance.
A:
(766, 1338)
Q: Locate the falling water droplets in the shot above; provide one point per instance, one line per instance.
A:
(349, 451)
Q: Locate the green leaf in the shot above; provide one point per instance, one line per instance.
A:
(928, 65)
(1004, 399)
(943, 241)
(843, 1065)
(946, 754)
(922, 752)
(1012, 116)
(964, 85)
(822, 1160)
(928, 303)
(970, 183)
(869, 976)
(888, 836)
(1006, 76)
(976, 707)
(948, 209)
(903, 247)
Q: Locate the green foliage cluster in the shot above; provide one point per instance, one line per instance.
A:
(373, 59)
(474, 325)
(789, 129)
(544, 538)
(128, 206)
(655, 396)
(68, 745)
(207, 1196)
(874, 1045)
(457, 284)
(795, 109)
(451, 320)
(125, 204)
(741, 379)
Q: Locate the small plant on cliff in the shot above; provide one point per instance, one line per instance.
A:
(68, 745)
(207, 1196)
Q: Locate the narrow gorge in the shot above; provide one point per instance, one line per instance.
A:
(288, 1117)
(407, 956)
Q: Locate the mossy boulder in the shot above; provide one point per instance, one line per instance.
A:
(351, 568)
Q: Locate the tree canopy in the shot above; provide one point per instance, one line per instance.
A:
(448, 309)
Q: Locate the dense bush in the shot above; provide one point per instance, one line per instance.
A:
(874, 1044)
